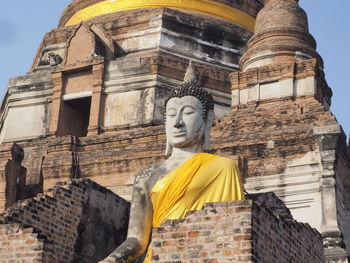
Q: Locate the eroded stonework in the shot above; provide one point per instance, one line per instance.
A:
(116, 72)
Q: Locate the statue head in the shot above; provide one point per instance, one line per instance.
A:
(189, 114)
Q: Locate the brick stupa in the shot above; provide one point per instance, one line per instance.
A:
(89, 115)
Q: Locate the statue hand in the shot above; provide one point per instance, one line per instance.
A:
(127, 252)
(113, 258)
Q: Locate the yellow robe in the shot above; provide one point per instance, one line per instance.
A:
(204, 178)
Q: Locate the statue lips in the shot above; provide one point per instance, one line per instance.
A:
(179, 133)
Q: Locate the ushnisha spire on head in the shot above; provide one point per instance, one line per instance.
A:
(190, 87)
(190, 75)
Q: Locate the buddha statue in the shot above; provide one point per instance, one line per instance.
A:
(187, 179)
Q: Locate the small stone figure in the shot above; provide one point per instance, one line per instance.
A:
(54, 59)
(51, 59)
(185, 181)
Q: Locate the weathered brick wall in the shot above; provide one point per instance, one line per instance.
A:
(80, 222)
(277, 240)
(288, 124)
(56, 218)
(244, 132)
(241, 231)
(19, 244)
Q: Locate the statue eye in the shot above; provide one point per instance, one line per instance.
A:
(188, 111)
(171, 113)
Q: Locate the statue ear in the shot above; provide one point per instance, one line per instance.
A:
(208, 124)
(168, 148)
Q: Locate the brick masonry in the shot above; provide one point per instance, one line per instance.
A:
(241, 231)
(71, 225)
(20, 244)
(268, 134)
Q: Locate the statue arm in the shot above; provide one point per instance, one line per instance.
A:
(140, 224)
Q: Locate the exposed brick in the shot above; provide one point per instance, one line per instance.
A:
(58, 222)
(265, 236)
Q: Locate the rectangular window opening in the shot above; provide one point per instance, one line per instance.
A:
(74, 117)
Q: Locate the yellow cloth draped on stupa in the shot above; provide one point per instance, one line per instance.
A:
(208, 7)
(204, 178)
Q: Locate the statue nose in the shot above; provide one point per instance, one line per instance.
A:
(178, 125)
(179, 122)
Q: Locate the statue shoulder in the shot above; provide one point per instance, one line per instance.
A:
(148, 176)
(226, 162)
(144, 174)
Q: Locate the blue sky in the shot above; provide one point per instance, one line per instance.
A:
(23, 24)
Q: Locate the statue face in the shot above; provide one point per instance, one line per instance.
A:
(184, 121)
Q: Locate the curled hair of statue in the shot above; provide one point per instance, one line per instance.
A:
(190, 87)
